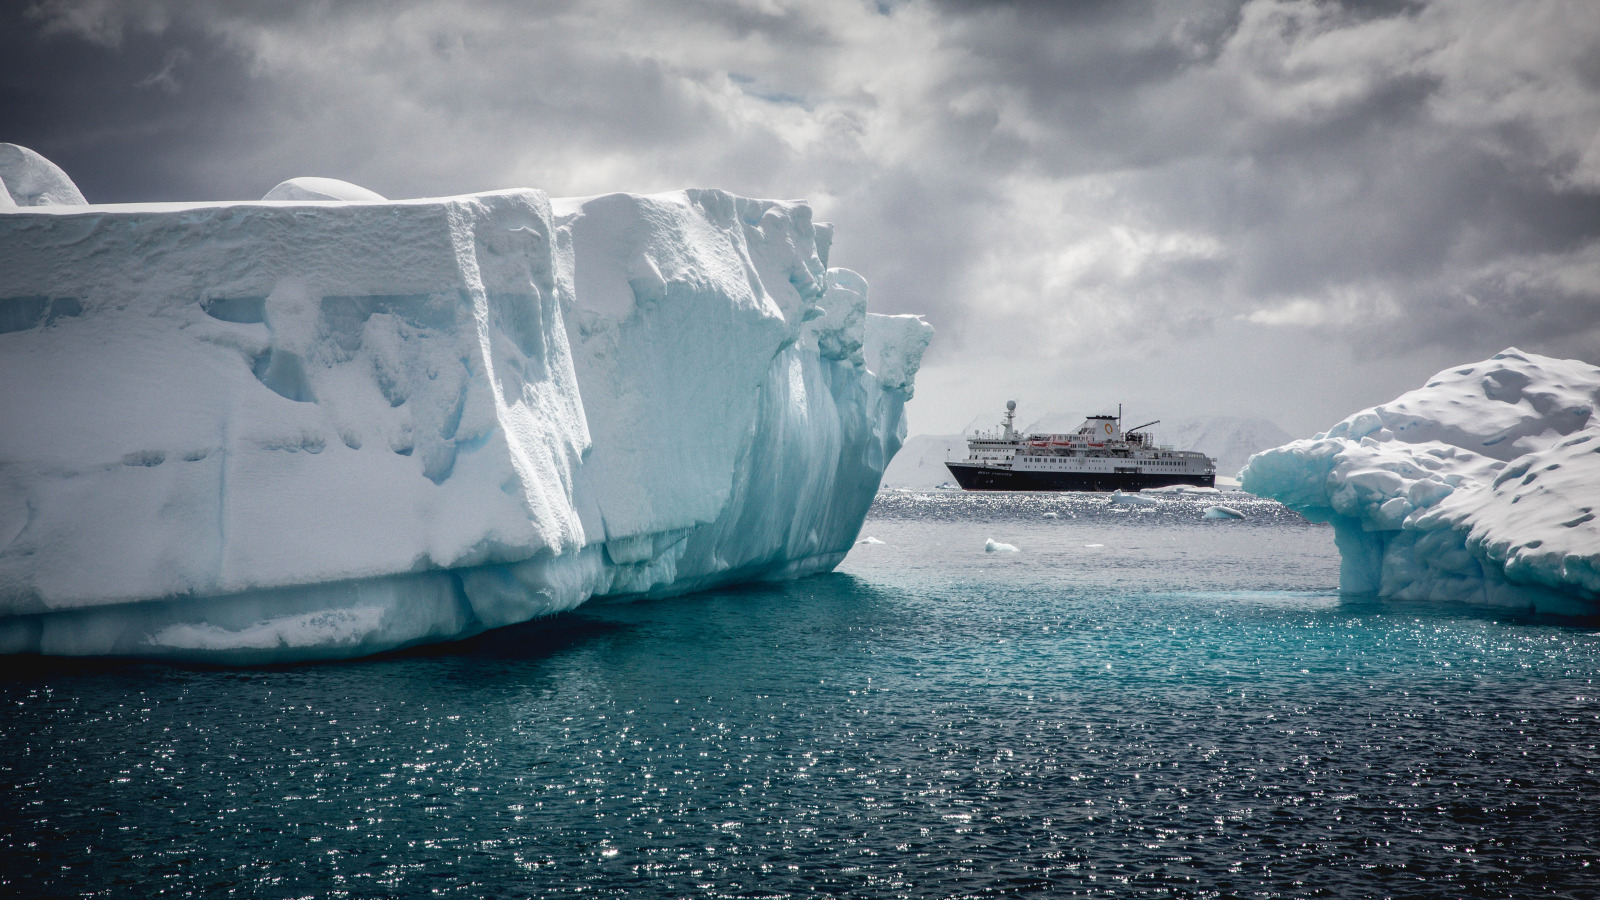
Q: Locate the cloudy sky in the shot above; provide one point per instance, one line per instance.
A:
(1283, 209)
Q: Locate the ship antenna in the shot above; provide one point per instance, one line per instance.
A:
(1011, 414)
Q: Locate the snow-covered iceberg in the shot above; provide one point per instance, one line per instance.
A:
(1478, 488)
(300, 429)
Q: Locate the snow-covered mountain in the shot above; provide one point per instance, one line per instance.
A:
(1230, 439)
(919, 466)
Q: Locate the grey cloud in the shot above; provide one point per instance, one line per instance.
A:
(1037, 177)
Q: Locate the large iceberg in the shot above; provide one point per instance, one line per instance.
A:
(302, 428)
(1478, 488)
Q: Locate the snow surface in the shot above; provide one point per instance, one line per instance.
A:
(1479, 487)
(253, 432)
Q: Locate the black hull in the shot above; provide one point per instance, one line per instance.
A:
(982, 478)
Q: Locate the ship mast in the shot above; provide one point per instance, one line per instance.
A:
(1011, 415)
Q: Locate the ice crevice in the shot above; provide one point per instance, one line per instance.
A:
(1477, 488)
(327, 425)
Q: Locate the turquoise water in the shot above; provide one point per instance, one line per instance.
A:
(1138, 703)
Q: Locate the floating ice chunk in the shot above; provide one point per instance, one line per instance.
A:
(29, 179)
(1051, 515)
(1180, 489)
(994, 546)
(1223, 512)
(869, 540)
(1118, 498)
(1479, 487)
(311, 188)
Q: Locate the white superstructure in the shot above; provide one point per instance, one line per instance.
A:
(1098, 456)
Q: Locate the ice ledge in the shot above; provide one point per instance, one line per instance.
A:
(1479, 487)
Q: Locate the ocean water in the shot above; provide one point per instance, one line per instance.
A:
(1137, 703)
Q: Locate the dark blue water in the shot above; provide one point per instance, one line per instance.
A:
(1138, 703)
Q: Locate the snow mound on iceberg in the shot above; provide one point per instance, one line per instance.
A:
(29, 179)
(310, 188)
(252, 432)
(1479, 487)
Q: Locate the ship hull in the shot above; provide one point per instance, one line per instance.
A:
(984, 478)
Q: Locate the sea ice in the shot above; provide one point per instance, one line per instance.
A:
(1479, 487)
(1118, 498)
(993, 546)
(261, 431)
(1223, 512)
(1180, 489)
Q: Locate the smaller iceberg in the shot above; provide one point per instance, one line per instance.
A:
(994, 546)
(1479, 487)
(1223, 512)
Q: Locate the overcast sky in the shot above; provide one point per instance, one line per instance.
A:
(1283, 209)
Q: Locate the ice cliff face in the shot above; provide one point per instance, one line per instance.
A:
(308, 429)
(1479, 487)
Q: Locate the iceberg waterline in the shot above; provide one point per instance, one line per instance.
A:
(287, 430)
(1479, 487)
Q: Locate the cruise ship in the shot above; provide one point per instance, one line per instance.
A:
(1099, 456)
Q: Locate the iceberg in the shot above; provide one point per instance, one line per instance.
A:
(1478, 488)
(309, 428)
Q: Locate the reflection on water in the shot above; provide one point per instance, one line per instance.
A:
(1186, 708)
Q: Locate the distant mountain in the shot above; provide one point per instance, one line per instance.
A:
(919, 465)
(1230, 439)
